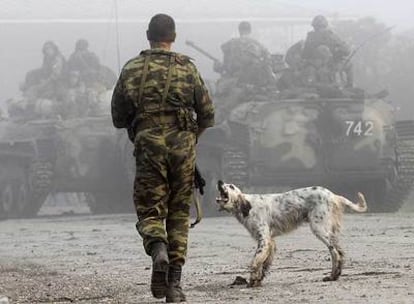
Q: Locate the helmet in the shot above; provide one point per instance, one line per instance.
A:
(49, 44)
(320, 22)
(245, 27)
(161, 28)
(81, 44)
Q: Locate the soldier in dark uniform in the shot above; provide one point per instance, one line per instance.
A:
(323, 35)
(291, 78)
(46, 81)
(245, 59)
(84, 61)
(163, 96)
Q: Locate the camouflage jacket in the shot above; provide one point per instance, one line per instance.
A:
(336, 45)
(186, 89)
(241, 52)
(248, 60)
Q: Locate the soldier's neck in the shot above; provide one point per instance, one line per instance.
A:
(166, 46)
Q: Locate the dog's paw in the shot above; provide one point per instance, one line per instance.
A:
(239, 281)
(254, 283)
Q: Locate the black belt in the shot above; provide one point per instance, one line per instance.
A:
(156, 121)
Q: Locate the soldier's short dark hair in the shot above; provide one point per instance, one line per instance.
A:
(245, 27)
(161, 28)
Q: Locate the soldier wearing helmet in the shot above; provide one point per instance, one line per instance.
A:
(84, 61)
(46, 81)
(161, 98)
(323, 35)
(320, 22)
(245, 59)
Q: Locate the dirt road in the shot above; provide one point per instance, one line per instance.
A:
(99, 259)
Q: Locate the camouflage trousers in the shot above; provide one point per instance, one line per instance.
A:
(163, 188)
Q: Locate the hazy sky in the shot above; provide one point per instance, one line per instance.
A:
(395, 12)
(25, 44)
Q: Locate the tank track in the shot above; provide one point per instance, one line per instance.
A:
(401, 186)
(235, 167)
(41, 175)
(39, 185)
(30, 189)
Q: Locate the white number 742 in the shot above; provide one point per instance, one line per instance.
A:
(359, 128)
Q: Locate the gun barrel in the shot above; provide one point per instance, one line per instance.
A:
(200, 50)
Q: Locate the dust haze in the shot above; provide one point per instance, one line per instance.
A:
(67, 224)
(26, 25)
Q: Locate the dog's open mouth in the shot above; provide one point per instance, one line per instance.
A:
(224, 195)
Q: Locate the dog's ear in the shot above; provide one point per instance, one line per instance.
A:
(243, 205)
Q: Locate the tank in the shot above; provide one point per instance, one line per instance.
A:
(44, 153)
(345, 144)
(90, 161)
(310, 126)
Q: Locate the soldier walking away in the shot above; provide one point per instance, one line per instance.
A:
(161, 98)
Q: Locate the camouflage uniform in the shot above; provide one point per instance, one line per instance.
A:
(247, 60)
(322, 36)
(336, 45)
(46, 81)
(163, 93)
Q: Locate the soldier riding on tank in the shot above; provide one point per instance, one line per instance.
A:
(323, 35)
(245, 59)
(84, 61)
(246, 71)
(42, 86)
(44, 81)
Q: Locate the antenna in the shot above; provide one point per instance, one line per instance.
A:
(118, 51)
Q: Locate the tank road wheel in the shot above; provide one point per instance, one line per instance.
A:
(390, 194)
(379, 199)
(31, 191)
(7, 200)
(29, 200)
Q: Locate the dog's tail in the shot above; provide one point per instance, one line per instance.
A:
(360, 206)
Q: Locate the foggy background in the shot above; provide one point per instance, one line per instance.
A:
(386, 62)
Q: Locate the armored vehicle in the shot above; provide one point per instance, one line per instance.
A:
(90, 161)
(312, 126)
(345, 144)
(39, 156)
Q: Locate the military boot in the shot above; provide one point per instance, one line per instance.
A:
(174, 292)
(159, 256)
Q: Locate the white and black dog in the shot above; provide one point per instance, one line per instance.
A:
(266, 216)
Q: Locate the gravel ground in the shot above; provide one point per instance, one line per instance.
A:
(99, 259)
